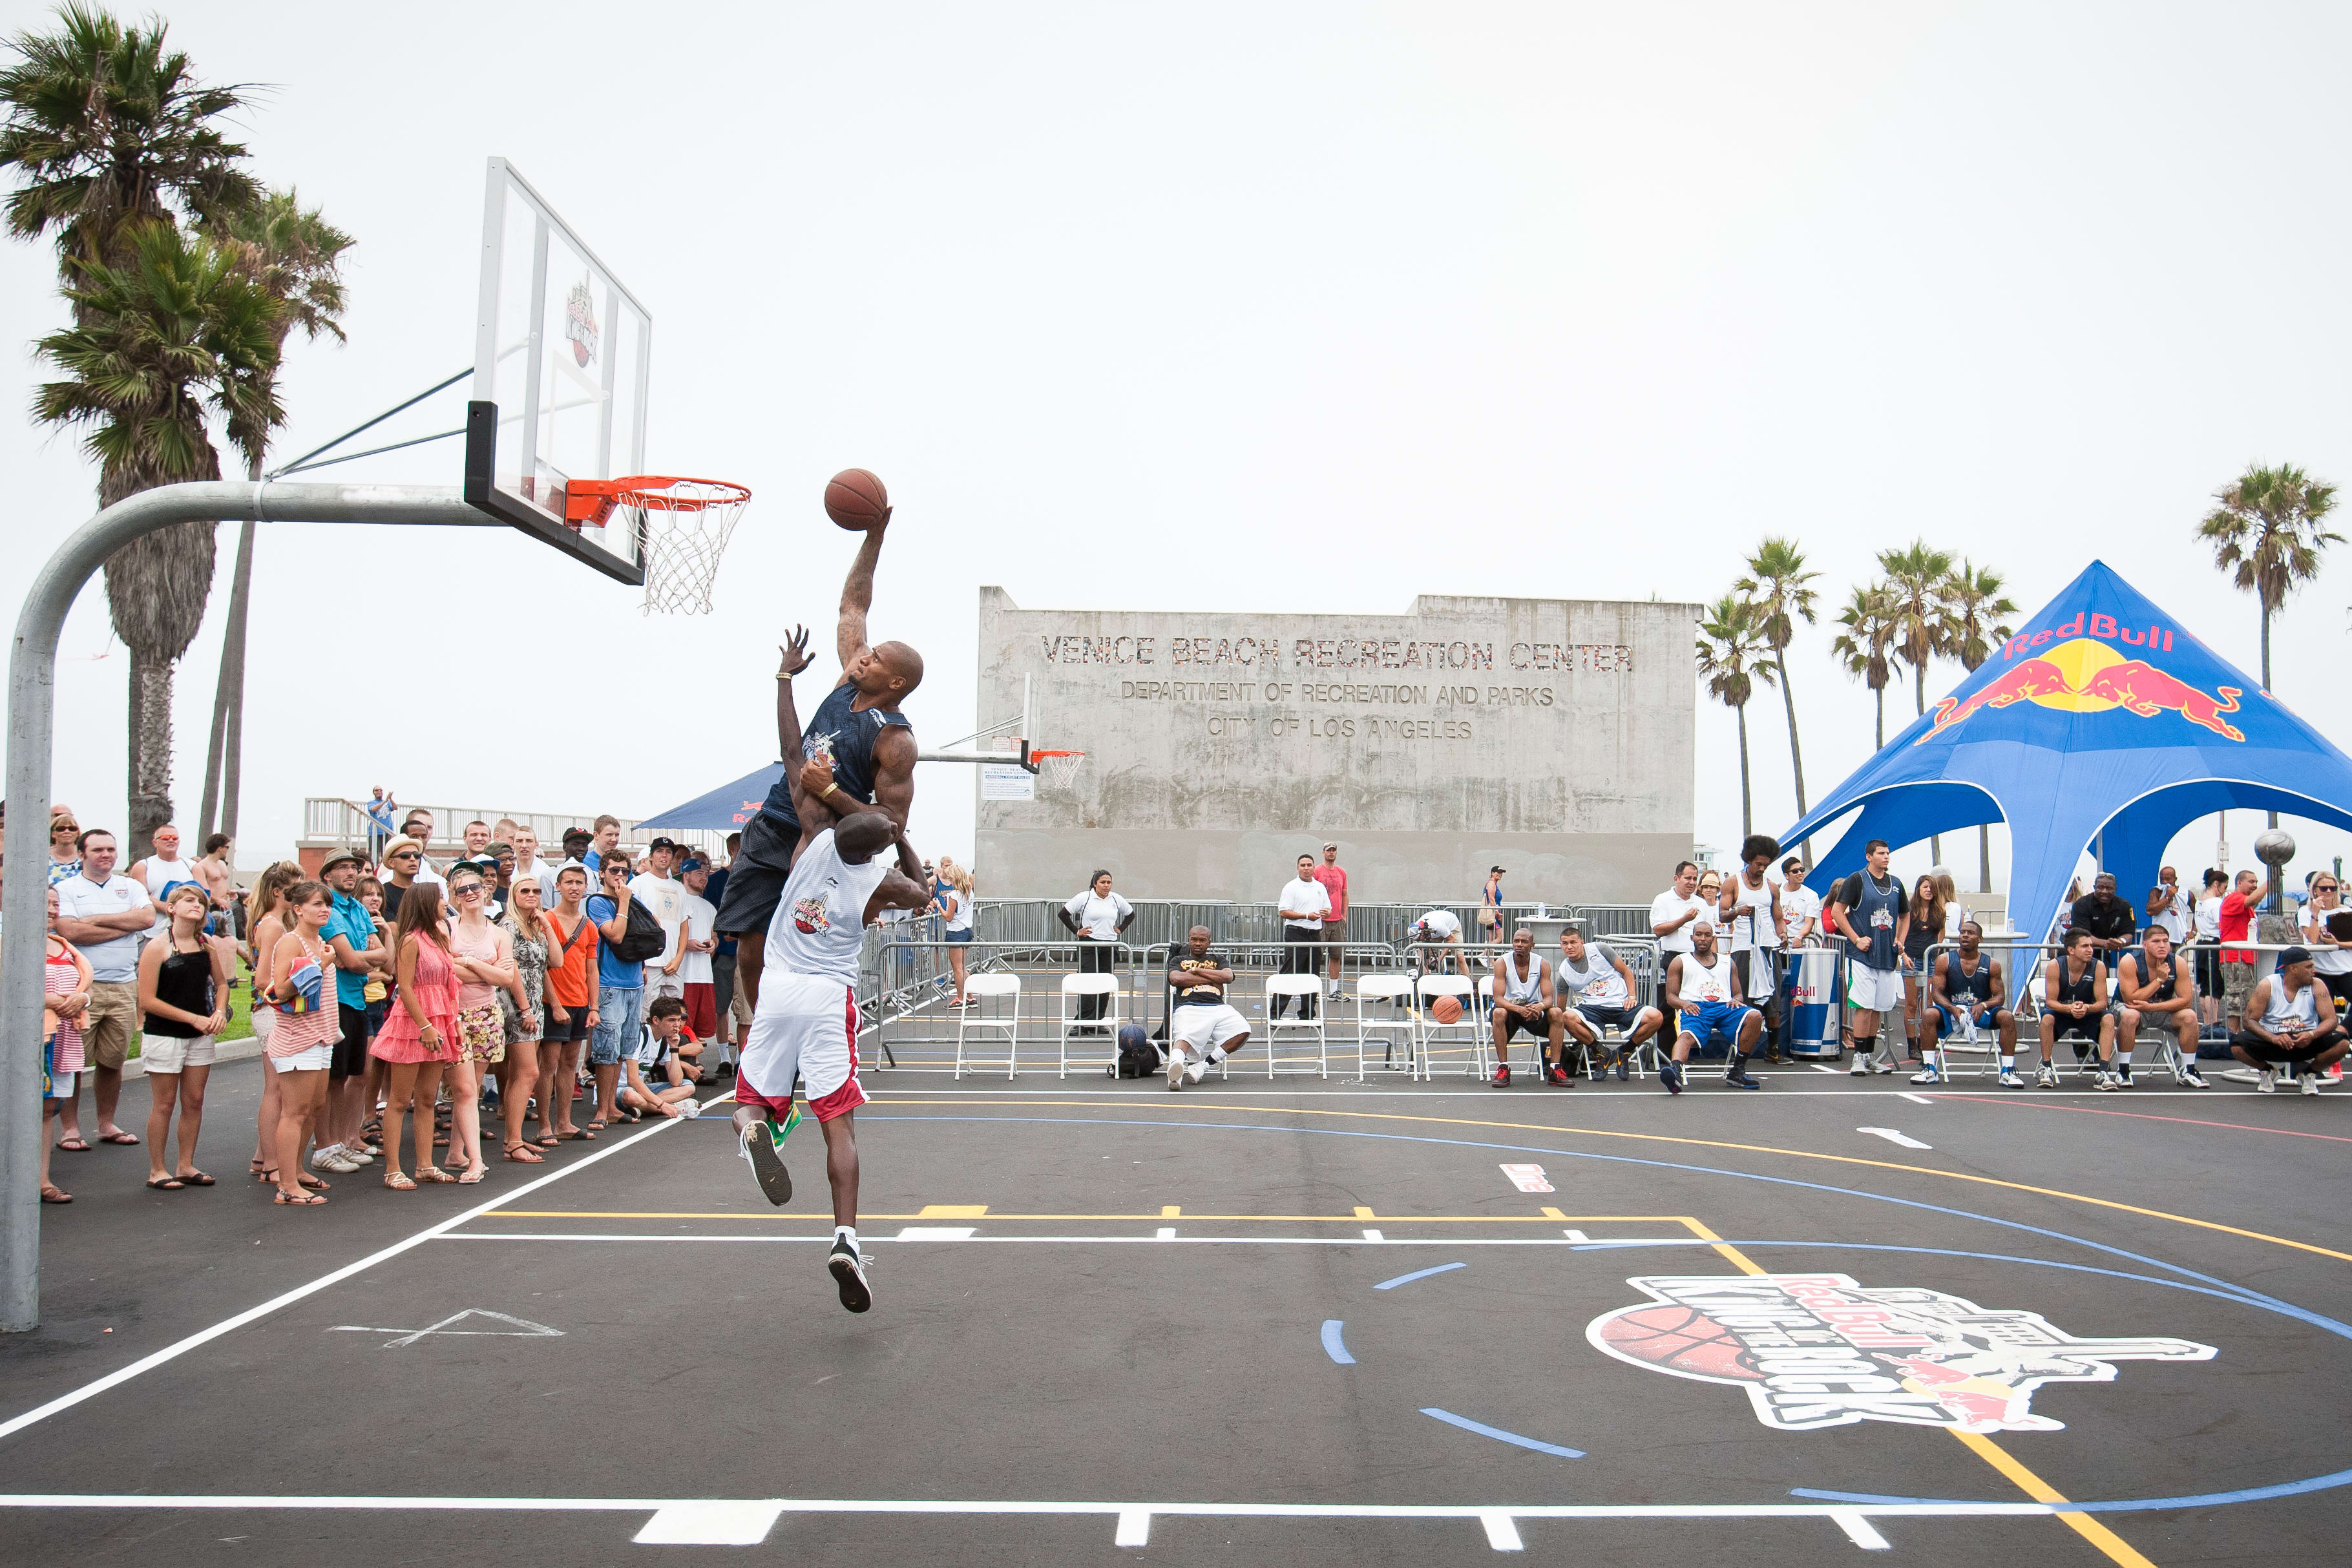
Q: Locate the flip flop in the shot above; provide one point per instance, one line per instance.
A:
(308, 1200)
(582, 1136)
(74, 1145)
(165, 1184)
(198, 1179)
(118, 1136)
(472, 1176)
(55, 1195)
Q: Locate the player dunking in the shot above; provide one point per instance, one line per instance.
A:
(805, 1024)
(858, 753)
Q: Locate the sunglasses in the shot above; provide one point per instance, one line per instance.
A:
(470, 890)
(68, 829)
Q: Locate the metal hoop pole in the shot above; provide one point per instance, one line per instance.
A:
(32, 711)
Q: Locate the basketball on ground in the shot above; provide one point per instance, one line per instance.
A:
(855, 500)
(1446, 1010)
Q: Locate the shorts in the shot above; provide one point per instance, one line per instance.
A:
(620, 1014)
(1983, 1018)
(350, 1051)
(2207, 966)
(1715, 1021)
(1198, 1026)
(481, 1034)
(1600, 1015)
(2237, 982)
(701, 1009)
(264, 1022)
(1873, 991)
(377, 1011)
(807, 1028)
(955, 937)
(573, 1026)
(1516, 1024)
(2084, 1028)
(756, 878)
(2261, 1049)
(167, 1053)
(106, 1027)
(315, 1059)
(61, 1087)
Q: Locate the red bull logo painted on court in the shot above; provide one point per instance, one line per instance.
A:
(1819, 1350)
(2086, 674)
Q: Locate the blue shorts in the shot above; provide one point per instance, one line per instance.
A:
(1716, 1021)
(1983, 1015)
(620, 1019)
(958, 936)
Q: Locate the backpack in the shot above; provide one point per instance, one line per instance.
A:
(1138, 1057)
(644, 939)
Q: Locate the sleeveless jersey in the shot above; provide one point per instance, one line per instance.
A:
(843, 735)
(1595, 982)
(2077, 990)
(1873, 914)
(1705, 982)
(1975, 984)
(2278, 1013)
(1751, 921)
(2163, 993)
(1523, 991)
(162, 876)
(820, 921)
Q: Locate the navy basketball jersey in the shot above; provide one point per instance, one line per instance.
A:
(845, 738)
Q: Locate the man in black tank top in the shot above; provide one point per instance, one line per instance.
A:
(857, 753)
(2158, 990)
(2075, 1008)
(1967, 984)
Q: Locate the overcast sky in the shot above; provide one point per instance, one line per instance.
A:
(1546, 300)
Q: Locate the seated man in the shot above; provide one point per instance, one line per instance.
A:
(2158, 990)
(1964, 995)
(1524, 1005)
(656, 1061)
(2290, 1018)
(1595, 991)
(1702, 994)
(2075, 1008)
(1442, 928)
(1202, 1026)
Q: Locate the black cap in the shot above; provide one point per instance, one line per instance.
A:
(663, 844)
(1496, 871)
(2294, 955)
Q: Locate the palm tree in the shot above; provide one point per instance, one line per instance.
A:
(1916, 574)
(1977, 604)
(108, 133)
(159, 344)
(1869, 622)
(295, 257)
(1731, 649)
(2267, 529)
(1780, 585)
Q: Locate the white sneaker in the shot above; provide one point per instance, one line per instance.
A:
(2310, 1083)
(1861, 1068)
(2268, 1083)
(2103, 1081)
(328, 1159)
(1877, 1066)
(2046, 1079)
(2192, 1077)
(1175, 1068)
(2010, 1081)
(1930, 1076)
(1196, 1071)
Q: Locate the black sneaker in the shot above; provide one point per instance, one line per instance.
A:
(1502, 1079)
(1622, 1056)
(1670, 1074)
(1560, 1078)
(767, 1164)
(849, 1274)
(1738, 1078)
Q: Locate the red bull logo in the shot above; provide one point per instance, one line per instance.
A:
(2083, 674)
(1819, 1350)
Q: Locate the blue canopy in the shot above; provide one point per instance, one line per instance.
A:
(2103, 715)
(725, 809)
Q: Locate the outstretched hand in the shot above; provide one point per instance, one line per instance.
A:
(795, 653)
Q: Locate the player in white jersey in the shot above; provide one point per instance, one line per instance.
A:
(805, 1023)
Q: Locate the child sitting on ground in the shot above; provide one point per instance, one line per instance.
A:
(659, 1051)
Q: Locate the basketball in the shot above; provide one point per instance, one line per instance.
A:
(1680, 1338)
(1446, 1010)
(854, 499)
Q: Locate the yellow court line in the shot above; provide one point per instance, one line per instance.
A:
(1739, 1259)
(1191, 1106)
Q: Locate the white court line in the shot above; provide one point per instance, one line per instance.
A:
(738, 1238)
(227, 1325)
(1915, 1099)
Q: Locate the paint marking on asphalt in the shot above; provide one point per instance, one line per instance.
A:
(1418, 1274)
(938, 1232)
(1334, 1345)
(1892, 1136)
(1915, 1099)
(1467, 1424)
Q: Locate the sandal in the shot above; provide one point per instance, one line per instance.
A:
(165, 1184)
(77, 1145)
(265, 1175)
(198, 1178)
(432, 1174)
(548, 1140)
(308, 1200)
(55, 1194)
(398, 1181)
(523, 1154)
(582, 1136)
(118, 1136)
(313, 1183)
(474, 1176)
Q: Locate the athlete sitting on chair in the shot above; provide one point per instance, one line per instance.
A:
(805, 1025)
(2157, 988)
(1203, 1028)
(1702, 996)
(1596, 992)
(1524, 1005)
(1964, 993)
(2074, 1007)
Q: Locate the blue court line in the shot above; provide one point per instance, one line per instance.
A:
(1483, 1431)
(1333, 1345)
(1418, 1274)
(2138, 1505)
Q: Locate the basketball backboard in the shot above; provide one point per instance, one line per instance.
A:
(562, 354)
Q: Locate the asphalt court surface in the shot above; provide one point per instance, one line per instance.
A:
(1115, 1306)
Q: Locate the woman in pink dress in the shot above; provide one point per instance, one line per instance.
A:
(300, 986)
(420, 1034)
(66, 982)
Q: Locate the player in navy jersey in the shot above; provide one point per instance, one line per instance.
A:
(856, 753)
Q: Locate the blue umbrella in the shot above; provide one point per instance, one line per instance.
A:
(723, 810)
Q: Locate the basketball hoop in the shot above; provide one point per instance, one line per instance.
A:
(1061, 766)
(682, 527)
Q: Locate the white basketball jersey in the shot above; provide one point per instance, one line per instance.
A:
(1523, 991)
(1705, 982)
(820, 921)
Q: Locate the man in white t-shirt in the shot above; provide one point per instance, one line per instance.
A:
(2170, 906)
(1800, 906)
(664, 897)
(1443, 928)
(161, 872)
(1672, 914)
(106, 917)
(701, 941)
(1304, 902)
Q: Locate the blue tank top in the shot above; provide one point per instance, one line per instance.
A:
(845, 736)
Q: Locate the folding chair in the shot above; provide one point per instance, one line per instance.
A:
(1307, 988)
(1385, 989)
(987, 985)
(1106, 985)
(1429, 1031)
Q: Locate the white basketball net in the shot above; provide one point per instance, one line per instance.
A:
(1061, 768)
(683, 528)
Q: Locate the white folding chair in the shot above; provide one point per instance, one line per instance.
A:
(1429, 1032)
(1308, 988)
(1106, 987)
(992, 984)
(1384, 989)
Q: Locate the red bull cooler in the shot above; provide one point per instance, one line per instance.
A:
(1811, 992)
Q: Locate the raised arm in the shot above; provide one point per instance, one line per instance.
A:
(788, 720)
(857, 595)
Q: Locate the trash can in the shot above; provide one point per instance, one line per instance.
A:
(1812, 994)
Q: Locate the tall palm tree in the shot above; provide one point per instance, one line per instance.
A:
(107, 134)
(1781, 586)
(159, 345)
(2267, 531)
(1732, 649)
(1973, 595)
(1869, 622)
(295, 257)
(1916, 573)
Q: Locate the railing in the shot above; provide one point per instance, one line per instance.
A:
(329, 821)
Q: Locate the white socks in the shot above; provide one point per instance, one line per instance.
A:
(1214, 1054)
(846, 1233)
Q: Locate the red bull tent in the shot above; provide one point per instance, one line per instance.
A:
(2103, 721)
(724, 809)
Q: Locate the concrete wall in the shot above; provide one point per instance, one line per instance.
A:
(1553, 737)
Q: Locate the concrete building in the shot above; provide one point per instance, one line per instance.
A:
(1550, 736)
